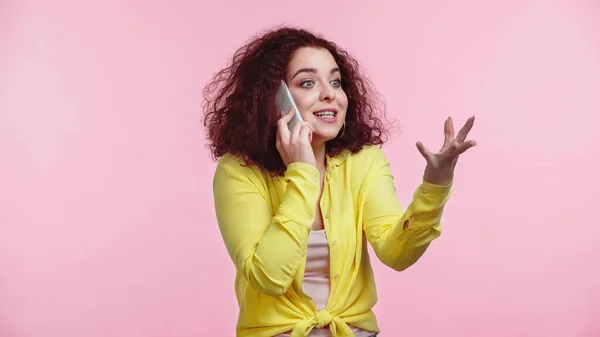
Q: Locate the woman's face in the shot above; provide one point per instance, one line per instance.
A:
(314, 80)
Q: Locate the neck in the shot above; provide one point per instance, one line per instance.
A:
(319, 151)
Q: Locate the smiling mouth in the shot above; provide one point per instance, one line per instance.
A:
(325, 114)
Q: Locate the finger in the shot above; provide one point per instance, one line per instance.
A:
(306, 133)
(464, 131)
(424, 152)
(448, 131)
(285, 119)
(456, 149)
(289, 115)
(282, 128)
(309, 126)
(465, 146)
(283, 133)
(295, 133)
(312, 130)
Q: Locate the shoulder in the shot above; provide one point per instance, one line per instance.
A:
(232, 166)
(369, 162)
(369, 157)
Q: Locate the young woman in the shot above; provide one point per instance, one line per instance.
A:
(296, 208)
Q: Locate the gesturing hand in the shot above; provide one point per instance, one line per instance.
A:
(440, 165)
(294, 145)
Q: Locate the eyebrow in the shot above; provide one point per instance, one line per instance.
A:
(313, 70)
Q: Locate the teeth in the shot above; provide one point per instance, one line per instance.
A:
(325, 114)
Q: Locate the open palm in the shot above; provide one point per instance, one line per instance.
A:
(440, 165)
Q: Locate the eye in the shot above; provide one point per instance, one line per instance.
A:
(336, 83)
(307, 84)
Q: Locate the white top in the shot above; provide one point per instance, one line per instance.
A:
(316, 280)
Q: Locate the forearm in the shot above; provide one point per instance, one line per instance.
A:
(278, 255)
(270, 259)
(406, 239)
(410, 246)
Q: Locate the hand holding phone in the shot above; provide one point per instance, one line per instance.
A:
(294, 145)
(294, 136)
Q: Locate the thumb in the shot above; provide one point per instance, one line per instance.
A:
(424, 152)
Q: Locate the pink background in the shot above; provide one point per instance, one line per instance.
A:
(107, 225)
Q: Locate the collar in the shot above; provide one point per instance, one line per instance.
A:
(338, 159)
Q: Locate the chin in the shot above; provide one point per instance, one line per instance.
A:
(325, 136)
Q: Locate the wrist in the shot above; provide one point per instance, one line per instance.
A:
(438, 176)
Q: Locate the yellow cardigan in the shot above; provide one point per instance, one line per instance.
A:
(265, 223)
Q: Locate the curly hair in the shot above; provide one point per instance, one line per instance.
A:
(240, 113)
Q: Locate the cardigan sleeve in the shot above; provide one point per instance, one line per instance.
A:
(267, 247)
(400, 237)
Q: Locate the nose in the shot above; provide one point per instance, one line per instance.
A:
(327, 93)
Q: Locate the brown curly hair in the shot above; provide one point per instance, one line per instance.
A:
(240, 113)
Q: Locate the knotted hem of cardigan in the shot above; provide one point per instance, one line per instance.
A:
(337, 326)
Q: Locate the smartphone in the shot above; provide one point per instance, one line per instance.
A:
(285, 102)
